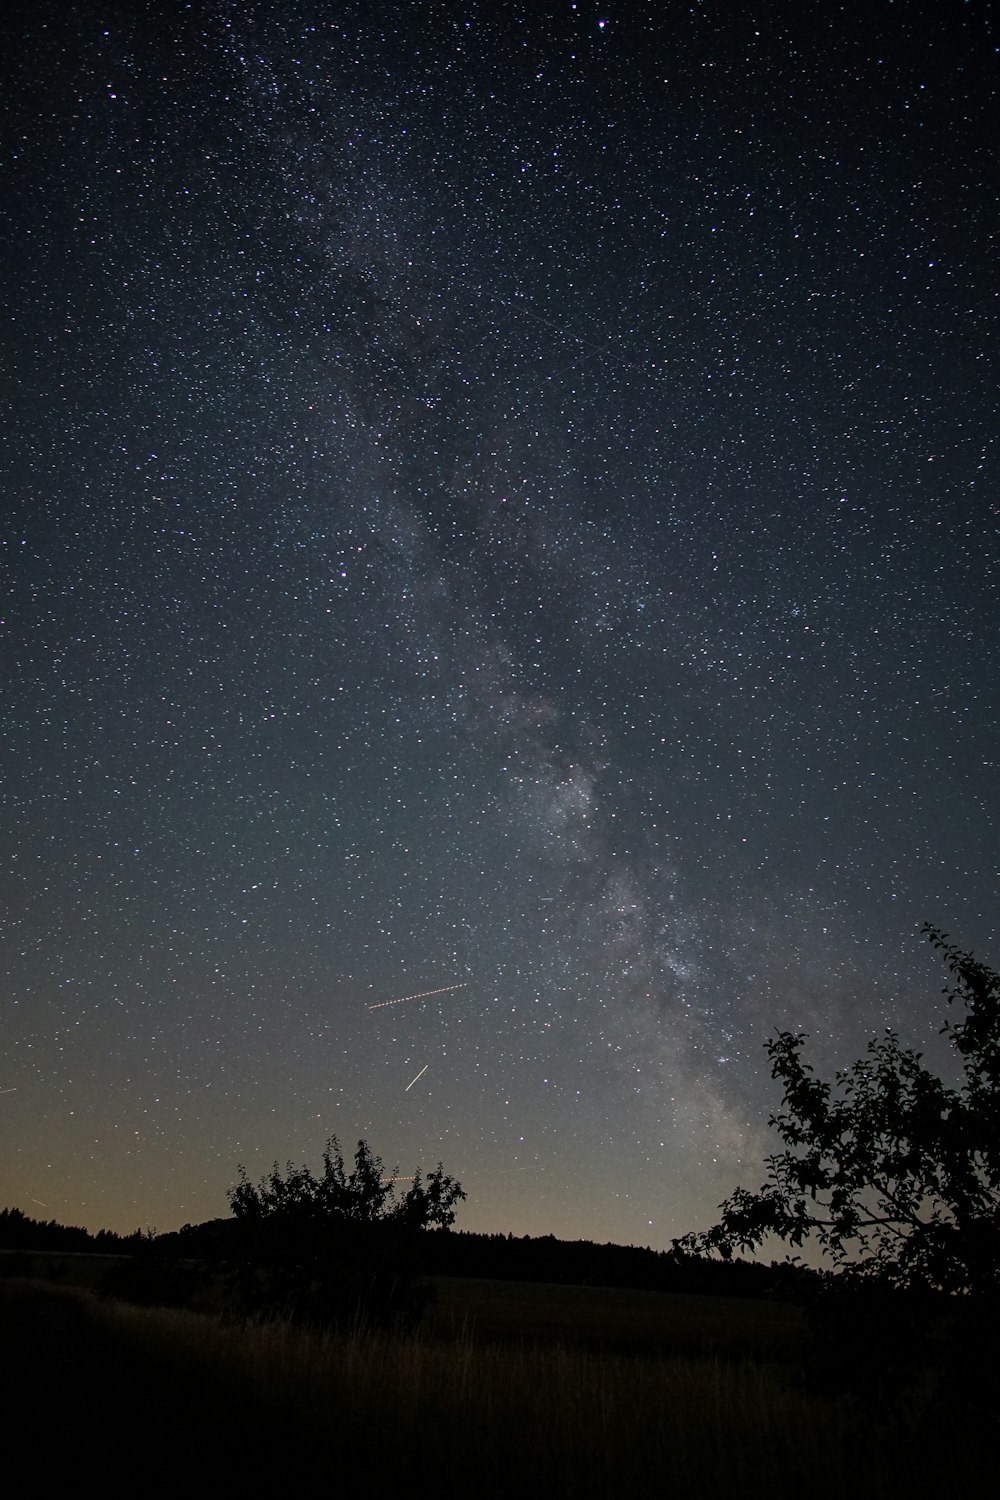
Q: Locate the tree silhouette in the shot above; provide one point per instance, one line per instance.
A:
(363, 1196)
(336, 1247)
(895, 1174)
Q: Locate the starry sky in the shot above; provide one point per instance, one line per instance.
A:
(499, 507)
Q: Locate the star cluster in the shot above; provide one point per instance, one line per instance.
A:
(500, 509)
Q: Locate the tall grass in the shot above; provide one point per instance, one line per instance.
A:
(710, 1404)
(477, 1417)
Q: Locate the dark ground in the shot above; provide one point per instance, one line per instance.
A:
(79, 1404)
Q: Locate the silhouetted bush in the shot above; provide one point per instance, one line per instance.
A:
(335, 1249)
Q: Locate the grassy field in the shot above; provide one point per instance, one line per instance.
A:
(555, 1391)
(609, 1320)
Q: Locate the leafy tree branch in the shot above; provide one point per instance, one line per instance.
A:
(893, 1173)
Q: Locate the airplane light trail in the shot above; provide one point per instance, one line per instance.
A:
(412, 1081)
(424, 995)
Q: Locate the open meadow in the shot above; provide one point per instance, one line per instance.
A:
(542, 1390)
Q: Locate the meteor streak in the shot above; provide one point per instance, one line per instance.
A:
(424, 995)
(412, 1081)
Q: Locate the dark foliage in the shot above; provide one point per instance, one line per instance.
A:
(896, 1176)
(507, 1257)
(18, 1231)
(543, 1258)
(893, 1173)
(335, 1248)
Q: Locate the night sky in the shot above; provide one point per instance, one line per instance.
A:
(498, 501)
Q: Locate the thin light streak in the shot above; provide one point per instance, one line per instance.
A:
(424, 995)
(420, 1075)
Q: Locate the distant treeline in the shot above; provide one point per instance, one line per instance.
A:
(20, 1232)
(451, 1252)
(505, 1257)
(583, 1263)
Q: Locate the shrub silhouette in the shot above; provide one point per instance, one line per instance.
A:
(335, 1248)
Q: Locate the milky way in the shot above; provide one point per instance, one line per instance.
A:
(500, 512)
